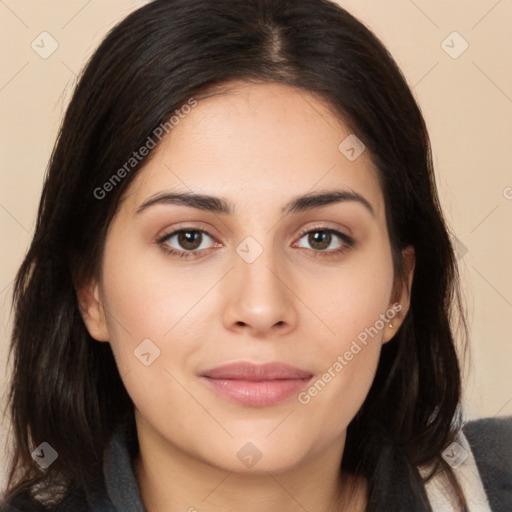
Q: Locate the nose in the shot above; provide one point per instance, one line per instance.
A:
(259, 298)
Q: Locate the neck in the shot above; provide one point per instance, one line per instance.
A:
(171, 480)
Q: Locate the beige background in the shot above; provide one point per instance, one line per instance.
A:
(467, 102)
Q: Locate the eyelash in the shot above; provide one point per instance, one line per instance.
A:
(347, 242)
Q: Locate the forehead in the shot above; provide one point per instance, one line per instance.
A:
(254, 143)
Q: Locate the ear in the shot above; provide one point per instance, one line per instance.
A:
(92, 310)
(401, 295)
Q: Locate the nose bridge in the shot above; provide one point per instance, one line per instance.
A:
(258, 269)
(258, 296)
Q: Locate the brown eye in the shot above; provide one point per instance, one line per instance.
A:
(190, 240)
(326, 240)
(186, 241)
(319, 240)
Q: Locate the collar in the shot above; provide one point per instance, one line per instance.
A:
(121, 484)
(440, 492)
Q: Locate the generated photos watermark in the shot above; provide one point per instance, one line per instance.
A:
(361, 341)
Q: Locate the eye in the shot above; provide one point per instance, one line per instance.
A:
(326, 240)
(191, 242)
(186, 242)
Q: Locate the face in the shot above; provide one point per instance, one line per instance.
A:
(249, 325)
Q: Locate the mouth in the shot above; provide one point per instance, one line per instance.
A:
(256, 385)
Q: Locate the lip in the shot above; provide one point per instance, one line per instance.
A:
(256, 384)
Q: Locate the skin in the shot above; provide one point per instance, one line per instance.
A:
(258, 146)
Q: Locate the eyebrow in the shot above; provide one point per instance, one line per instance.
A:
(220, 205)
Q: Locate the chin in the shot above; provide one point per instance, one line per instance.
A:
(252, 457)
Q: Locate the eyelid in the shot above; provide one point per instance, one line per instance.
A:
(346, 242)
(325, 227)
(187, 226)
(164, 238)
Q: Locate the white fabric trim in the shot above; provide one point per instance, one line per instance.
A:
(439, 490)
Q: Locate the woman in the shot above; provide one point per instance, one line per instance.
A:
(239, 292)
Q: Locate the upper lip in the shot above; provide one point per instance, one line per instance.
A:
(256, 372)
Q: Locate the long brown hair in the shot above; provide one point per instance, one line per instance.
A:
(66, 389)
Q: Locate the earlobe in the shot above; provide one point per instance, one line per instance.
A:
(401, 296)
(92, 311)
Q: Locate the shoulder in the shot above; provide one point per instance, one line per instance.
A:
(490, 440)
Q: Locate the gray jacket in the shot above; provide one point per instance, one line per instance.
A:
(490, 440)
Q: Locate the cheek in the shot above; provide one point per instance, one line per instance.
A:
(143, 301)
(353, 297)
(154, 327)
(353, 304)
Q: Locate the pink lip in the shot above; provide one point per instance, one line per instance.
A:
(256, 384)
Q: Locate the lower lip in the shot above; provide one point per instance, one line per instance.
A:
(257, 393)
